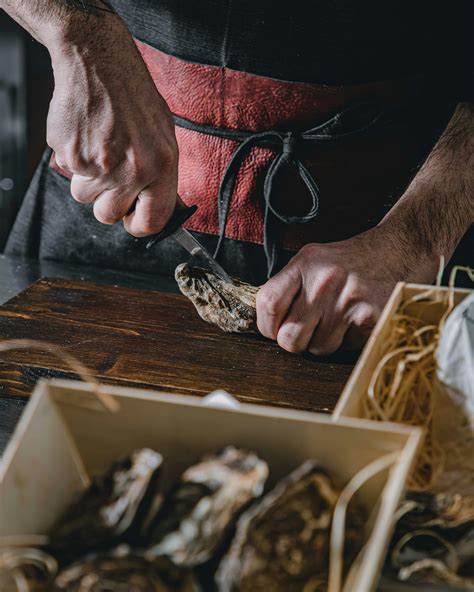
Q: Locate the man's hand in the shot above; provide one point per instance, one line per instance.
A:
(332, 294)
(107, 123)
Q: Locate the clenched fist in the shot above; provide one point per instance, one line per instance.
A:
(110, 128)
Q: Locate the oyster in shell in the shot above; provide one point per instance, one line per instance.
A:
(125, 573)
(232, 307)
(282, 543)
(26, 568)
(197, 514)
(434, 540)
(115, 503)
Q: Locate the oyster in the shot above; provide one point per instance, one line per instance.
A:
(197, 515)
(427, 510)
(434, 540)
(282, 543)
(125, 573)
(24, 568)
(115, 503)
(433, 571)
(232, 307)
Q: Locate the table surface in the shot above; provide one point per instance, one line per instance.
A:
(18, 274)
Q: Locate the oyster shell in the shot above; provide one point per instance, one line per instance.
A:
(232, 307)
(196, 516)
(125, 573)
(282, 543)
(116, 502)
(434, 540)
(26, 568)
(433, 571)
(427, 510)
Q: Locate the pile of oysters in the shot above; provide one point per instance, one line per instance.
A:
(220, 527)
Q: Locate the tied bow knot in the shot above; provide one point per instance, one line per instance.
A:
(355, 119)
(289, 144)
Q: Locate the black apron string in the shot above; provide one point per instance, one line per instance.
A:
(355, 119)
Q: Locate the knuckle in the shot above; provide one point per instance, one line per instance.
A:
(308, 251)
(268, 301)
(73, 160)
(352, 294)
(332, 279)
(169, 153)
(51, 139)
(365, 317)
(137, 170)
(105, 162)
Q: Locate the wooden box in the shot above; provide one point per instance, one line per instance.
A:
(65, 435)
(357, 385)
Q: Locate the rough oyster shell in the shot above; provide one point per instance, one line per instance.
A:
(232, 307)
(434, 540)
(115, 503)
(282, 543)
(198, 513)
(125, 573)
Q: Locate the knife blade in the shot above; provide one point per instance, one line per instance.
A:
(194, 247)
(183, 237)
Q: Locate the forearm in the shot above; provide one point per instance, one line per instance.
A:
(58, 24)
(438, 206)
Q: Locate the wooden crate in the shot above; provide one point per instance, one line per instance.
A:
(65, 436)
(349, 404)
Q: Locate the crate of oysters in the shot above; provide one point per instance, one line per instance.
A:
(115, 489)
(417, 369)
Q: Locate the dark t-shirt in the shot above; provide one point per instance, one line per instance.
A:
(318, 41)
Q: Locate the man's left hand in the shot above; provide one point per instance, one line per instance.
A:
(332, 294)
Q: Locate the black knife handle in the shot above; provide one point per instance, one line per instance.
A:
(179, 217)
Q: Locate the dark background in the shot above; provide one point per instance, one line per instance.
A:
(26, 85)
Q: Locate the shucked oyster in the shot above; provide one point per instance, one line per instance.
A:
(232, 307)
(197, 514)
(282, 543)
(125, 573)
(115, 502)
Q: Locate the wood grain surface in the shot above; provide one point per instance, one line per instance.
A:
(156, 341)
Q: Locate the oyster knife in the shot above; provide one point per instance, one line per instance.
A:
(175, 230)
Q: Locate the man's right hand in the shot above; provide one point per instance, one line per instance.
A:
(107, 124)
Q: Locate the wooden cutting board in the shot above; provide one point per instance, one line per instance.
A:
(157, 341)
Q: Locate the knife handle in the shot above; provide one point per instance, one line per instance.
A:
(181, 213)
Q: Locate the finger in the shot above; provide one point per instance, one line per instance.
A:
(74, 163)
(153, 209)
(329, 335)
(113, 204)
(85, 190)
(298, 327)
(363, 320)
(275, 298)
(60, 164)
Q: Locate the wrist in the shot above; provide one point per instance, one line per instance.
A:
(84, 34)
(404, 228)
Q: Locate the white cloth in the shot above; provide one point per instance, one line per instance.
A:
(453, 413)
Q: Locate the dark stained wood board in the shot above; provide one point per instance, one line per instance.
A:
(157, 341)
